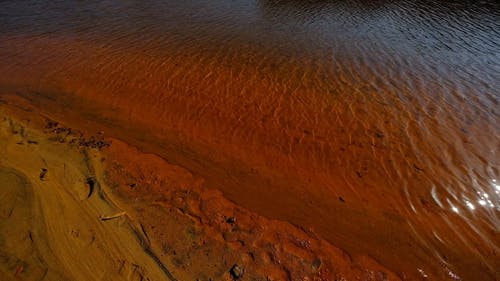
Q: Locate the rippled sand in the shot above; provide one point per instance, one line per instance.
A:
(373, 126)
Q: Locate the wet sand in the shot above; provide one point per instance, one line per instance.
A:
(79, 206)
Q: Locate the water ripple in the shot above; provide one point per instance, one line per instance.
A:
(394, 101)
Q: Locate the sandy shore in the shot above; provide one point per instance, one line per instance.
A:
(52, 210)
(75, 205)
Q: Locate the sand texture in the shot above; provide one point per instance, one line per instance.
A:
(51, 223)
(78, 206)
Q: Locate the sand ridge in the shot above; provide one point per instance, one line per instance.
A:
(51, 226)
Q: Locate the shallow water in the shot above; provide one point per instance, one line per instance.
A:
(383, 112)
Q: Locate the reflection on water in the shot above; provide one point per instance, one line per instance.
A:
(390, 104)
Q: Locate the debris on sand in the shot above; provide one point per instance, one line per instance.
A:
(65, 134)
(43, 173)
(237, 272)
(91, 181)
(114, 216)
(51, 124)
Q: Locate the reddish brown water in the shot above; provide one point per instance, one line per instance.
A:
(373, 124)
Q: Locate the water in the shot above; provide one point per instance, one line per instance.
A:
(383, 112)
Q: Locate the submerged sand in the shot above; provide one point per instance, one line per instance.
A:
(79, 206)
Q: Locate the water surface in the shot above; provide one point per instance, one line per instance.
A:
(383, 112)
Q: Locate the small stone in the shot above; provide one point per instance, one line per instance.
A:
(316, 265)
(237, 272)
(231, 220)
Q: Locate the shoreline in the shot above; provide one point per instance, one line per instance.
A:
(168, 219)
(390, 234)
(51, 228)
(393, 237)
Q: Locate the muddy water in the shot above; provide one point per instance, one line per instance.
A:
(374, 125)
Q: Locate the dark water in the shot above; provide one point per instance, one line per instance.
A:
(391, 104)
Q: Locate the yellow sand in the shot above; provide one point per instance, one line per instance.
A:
(50, 228)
